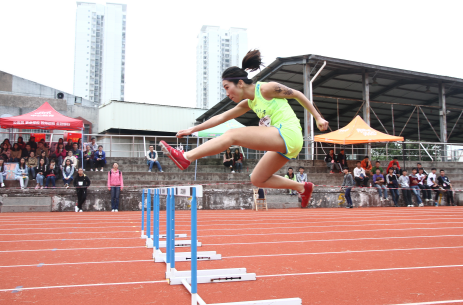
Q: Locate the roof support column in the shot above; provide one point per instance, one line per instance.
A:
(308, 118)
(366, 105)
(443, 119)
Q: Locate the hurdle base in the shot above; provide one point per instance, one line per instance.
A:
(160, 257)
(143, 236)
(213, 276)
(178, 243)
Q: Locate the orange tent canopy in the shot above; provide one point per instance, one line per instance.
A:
(356, 132)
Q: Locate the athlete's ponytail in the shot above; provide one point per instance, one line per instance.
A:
(252, 61)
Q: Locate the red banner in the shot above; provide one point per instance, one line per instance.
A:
(72, 135)
(38, 136)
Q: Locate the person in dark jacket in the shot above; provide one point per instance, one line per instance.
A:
(445, 184)
(40, 170)
(32, 144)
(393, 185)
(81, 182)
(51, 174)
(348, 183)
(331, 161)
(342, 160)
(99, 157)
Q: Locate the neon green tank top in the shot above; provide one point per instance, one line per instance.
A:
(278, 109)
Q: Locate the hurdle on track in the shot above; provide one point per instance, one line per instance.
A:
(190, 279)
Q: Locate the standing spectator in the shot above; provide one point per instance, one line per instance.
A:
(15, 153)
(228, 160)
(32, 144)
(93, 145)
(423, 185)
(2, 172)
(291, 176)
(68, 146)
(342, 160)
(21, 173)
(41, 170)
(79, 144)
(332, 161)
(377, 166)
(88, 158)
(396, 169)
(26, 152)
(70, 157)
(152, 158)
(393, 185)
(32, 163)
(433, 184)
(51, 174)
(380, 184)
(60, 153)
(5, 151)
(301, 176)
(81, 183)
(404, 182)
(68, 173)
(115, 185)
(359, 175)
(348, 183)
(415, 188)
(21, 143)
(394, 160)
(100, 158)
(238, 160)
(418, 167)
(366, 165)
(445, 184)
(41, 148)
(43, 157)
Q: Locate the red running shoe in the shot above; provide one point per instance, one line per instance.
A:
(305, 197)
(175, 155)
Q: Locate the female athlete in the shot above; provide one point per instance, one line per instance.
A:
(279, 131)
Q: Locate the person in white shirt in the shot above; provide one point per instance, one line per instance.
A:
(93, 145)
(301, 176)
(404, 182)
(359, 175)
(432, 184)
(152, 158)
(423, 184)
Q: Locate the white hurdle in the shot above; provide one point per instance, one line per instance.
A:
(190, 279)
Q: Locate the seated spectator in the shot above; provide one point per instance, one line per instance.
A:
(393, 184)
(445, 184)
(377, 166)
(5, 151)
(68, 173)
(32, 163)
(32, 144)
(81, 183)
(43, 155)
(415, 188)
(88, 158)
(342, 159)
(394, 160)
(21, 173)
(380, 184)
(418, 167)
(42, 148)
(404, 182)
(70, 157)
(40, 170)
(396, 169)
(2, 172)
(366, 165)
(115, 185)
(301, 176)
(51, 174)
(7, 142)
(238, 160)
(99, 157)
(348, 183)
(423, 185)
(15, 153)
(332, 161)
(60, 141)
(21, 143)
(360, 176)
(433, 184)
(60, 153)
(93, 145)
(68, 146)
(76, 152)
(228, 160)
(291, 176)
(79, 144)
(152, 158)
(26, 152)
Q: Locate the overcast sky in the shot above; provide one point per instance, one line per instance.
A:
(37, 38)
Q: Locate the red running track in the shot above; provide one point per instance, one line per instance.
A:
(323, 256)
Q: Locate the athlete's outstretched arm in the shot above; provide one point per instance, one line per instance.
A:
(235, 112)
(275, 90)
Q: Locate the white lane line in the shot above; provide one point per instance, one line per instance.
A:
(361, 270)
(71, 249)
(66, 239)
(433, 302)
(81, 263)
(342, 252)
(67, 233)
(82, 285)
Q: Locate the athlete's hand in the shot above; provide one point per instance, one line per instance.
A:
(185, 132)
(322, 124)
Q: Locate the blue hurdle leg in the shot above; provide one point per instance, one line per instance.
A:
(172, 227)
(194, 250)
(168, 229)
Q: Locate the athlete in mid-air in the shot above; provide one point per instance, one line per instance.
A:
(279, 131)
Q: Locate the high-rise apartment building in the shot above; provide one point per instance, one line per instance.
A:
(217, 50)
(99, 59)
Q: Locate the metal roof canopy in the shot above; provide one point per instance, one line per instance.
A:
(339, 87)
